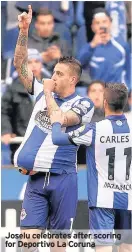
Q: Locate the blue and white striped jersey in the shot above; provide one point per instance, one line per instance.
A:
(109, 154)
(37, 151)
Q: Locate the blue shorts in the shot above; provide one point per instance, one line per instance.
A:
(103, 221)
(49, 202)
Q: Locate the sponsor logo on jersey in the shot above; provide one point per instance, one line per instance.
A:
(42, 121)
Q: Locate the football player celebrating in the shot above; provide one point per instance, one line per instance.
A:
(50, 199)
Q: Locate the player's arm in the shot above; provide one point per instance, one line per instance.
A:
(71, 117)
(21, 53)
(82, 135)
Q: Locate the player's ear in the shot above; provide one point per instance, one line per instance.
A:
(105, 104)
(73, 80)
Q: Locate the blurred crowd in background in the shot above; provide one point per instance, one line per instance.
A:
(64, 28)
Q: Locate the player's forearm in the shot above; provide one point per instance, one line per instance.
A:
(58, 137)
(21, 49)
(69, 118)
(21, 59)
(50, 102)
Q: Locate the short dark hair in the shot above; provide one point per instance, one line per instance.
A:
(116, 96)
(74, 64)
(95, 82)
(101, 10)
(44, 12)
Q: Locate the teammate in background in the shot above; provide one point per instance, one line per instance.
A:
(50, 199)
(109, 153)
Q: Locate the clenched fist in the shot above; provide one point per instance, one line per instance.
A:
(25, 19)
(48, 85)
(97, 40)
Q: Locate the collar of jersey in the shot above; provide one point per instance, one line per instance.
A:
(66, 98)
(116, 117)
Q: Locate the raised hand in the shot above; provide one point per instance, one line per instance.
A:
(97, 40)
(25, 19)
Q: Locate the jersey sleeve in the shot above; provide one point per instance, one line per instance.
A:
(37, 87)
(84, 135)
(84, 108)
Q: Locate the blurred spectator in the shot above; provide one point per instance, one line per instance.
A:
(46, 41)
(62, 10)
(84, 14)
(95, 93)
(106, 57)
(17, 104)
